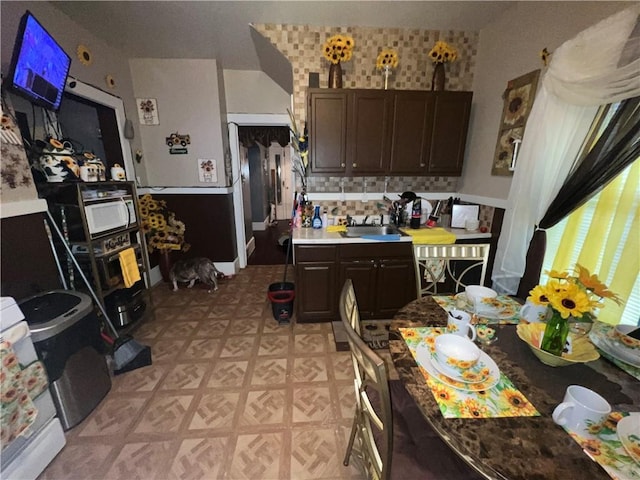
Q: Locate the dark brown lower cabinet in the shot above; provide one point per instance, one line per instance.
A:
(382, 275)
(316, 289)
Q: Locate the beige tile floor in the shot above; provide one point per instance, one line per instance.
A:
(230, 395)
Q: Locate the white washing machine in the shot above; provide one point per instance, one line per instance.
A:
(26, 456)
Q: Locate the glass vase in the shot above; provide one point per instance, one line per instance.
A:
(555, 334)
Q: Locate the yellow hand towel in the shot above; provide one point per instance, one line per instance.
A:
(129, 267)
(430, 236)
(336, 228)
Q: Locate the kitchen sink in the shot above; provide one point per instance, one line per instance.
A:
(364, 230)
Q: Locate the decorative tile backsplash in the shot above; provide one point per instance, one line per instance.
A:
(302, 45)
(377, 184)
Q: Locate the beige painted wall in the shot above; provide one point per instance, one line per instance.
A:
(187, 95)
(508, 49)
(248, 91)
(106, 60)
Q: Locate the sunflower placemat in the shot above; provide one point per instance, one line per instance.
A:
(504, 309)
(614, 445)
(484, 393)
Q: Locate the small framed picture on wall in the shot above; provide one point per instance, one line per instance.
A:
(148, 111)
(518, 100)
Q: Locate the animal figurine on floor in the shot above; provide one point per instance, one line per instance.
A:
(192, 269)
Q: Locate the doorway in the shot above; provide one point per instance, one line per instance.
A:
(241, 213)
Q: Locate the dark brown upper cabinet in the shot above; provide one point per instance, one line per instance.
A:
(329, 113)
(449, 138)
(368, 132)
(387, 132)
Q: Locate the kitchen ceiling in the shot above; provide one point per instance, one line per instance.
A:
(221, 29)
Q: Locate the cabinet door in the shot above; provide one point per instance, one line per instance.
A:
(363, 274)
(368, 132)
(316, 293)
(395, 286)
(411, 132)
(451, 121)
(328, 130)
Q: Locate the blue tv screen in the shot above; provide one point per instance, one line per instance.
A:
(39, 67)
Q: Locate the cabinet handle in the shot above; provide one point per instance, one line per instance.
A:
(422, 164)
(354, 165)
(342, 165)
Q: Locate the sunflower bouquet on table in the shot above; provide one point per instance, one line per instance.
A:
(162, 229)
(569, 297)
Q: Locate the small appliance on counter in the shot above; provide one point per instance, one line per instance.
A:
(461, 213)
(126, 305)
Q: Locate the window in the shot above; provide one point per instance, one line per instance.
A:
(604, 236)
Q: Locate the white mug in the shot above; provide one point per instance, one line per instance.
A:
(459, 323)
(580, 409)
(534, 313)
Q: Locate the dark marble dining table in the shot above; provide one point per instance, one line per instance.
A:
(516, 447)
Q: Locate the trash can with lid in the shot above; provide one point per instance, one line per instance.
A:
(66, 334)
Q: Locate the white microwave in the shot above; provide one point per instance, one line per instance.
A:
(105, 216)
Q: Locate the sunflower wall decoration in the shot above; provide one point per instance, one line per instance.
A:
(518, 100)
(148, 111)
(84, 55)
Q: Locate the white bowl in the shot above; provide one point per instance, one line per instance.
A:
(480, 296)
(456, 353)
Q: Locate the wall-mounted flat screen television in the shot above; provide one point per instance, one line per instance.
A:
(39, 66)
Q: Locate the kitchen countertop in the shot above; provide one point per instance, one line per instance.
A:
(309, 236)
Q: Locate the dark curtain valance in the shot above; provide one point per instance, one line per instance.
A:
(250, 136)
(617, 147)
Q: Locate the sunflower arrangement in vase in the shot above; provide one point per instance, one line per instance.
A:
(163, 231)
(338, 48)
(574, 298)
(440, 54)
(387, 60)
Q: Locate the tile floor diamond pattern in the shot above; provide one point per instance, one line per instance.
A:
(264, 407)
(164, 414)
(215, 410)
(231, 395)
(260, 457)
(200, 458)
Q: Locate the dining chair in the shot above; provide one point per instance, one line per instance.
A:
(389, 437)
(455, 263)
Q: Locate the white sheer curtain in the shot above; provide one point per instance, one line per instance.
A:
(601, 65)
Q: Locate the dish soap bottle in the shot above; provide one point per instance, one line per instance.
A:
(416, 214)
(317, 220)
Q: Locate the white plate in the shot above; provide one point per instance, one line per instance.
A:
(423, 353)
(616, 352)
(486, 311)
(629, 433)
(476, 370)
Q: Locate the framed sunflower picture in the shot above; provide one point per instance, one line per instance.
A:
(518, 100)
